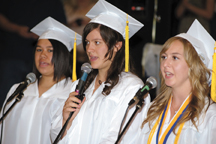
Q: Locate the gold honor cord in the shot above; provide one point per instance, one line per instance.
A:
(161, 141)
(154, 129)
(127, 46)
(74, 76)
(213, 80)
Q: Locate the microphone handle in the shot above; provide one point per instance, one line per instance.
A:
(81, 97)
(80, 87)
(139, 95)
(134, 98)
(142, 93)
(19, 89)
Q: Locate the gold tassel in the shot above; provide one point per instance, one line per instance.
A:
(213, 81)
(74, 76)
(127, 46)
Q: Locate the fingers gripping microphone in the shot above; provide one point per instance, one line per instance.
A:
(30, 78)
(151, 83)
(86, 68)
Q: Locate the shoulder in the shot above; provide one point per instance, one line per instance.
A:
(211, 112)
(12, 89)
(129, 78)
(207, 119)
(128, 84)
(64, 86)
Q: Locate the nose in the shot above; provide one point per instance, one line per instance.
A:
(166, 62)
(43, 54)
(89, 47)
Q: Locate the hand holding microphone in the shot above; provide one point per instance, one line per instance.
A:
(74, 102)
(151, 83)
(76, 99)
(72, 107)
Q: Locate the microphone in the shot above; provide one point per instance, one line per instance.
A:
(151, 83)
(86, 68)
(30, 78)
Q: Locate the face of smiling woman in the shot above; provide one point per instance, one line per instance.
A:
(43, 57)
(174, 67)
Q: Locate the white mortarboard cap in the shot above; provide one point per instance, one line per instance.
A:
(201, 41)
(107, 14)
(50, 28)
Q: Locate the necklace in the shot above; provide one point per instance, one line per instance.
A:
(100, 82)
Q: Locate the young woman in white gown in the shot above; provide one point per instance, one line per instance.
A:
(30, 120)
(183, 113)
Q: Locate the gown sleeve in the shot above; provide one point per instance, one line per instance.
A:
(129, 137)
(57, 117)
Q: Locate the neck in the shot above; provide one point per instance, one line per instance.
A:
(102, 76)
(179, 97)
(46, 81)
(181, 92)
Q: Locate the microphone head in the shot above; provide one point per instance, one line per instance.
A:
(86, 67)
(152, 81)
(31, 77)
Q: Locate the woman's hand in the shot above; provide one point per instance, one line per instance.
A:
(72, 104)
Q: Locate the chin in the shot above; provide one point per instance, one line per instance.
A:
(94, 66)
(169, 84)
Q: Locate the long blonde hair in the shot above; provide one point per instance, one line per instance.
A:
(198, 76)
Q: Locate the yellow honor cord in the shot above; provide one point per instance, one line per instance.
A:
(174, 120)
(171, 123)
(165, 117)
(178, 133)
(74, 76)
(127, 46)
(153, 130)
(213, 80)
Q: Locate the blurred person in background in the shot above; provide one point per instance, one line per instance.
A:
(75, 11)
(213, 23)
(189, 10)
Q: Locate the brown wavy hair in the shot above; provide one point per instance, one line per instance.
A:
(110, 37)
(198, 76)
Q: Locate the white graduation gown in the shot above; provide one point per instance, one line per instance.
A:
(206, 133)
(30, 120)
(99, 119)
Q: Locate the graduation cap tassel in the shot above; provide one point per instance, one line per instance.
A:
(213, 81)
(74, 76)
(127, 46)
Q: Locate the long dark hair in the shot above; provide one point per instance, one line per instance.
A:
(110, 37)
(61, 59)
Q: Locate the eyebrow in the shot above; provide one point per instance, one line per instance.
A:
(94, 39)
(174, 53)
(46, 47)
